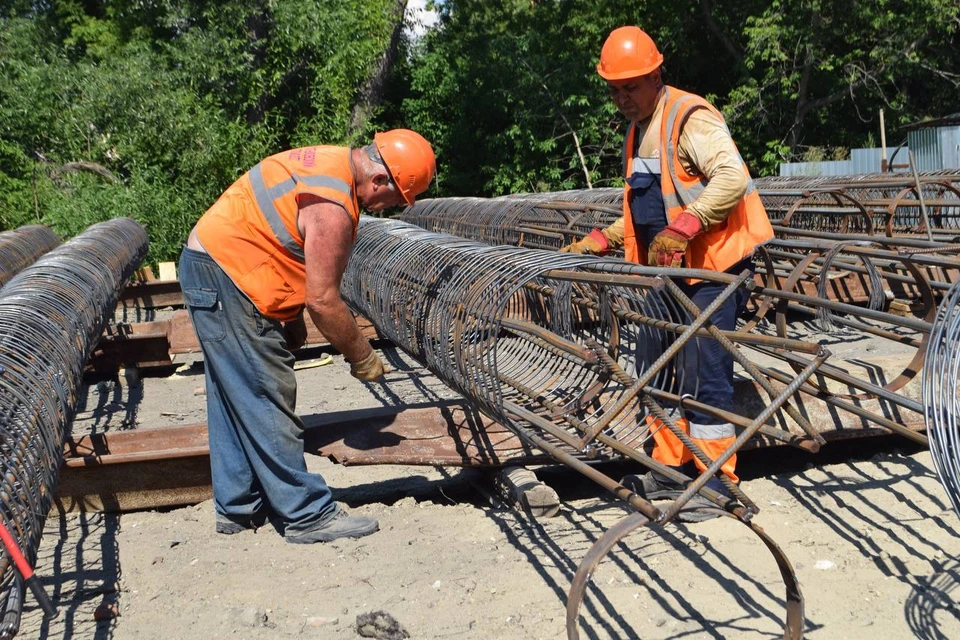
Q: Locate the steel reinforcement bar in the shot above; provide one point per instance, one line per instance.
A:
(51, 316)
(846, 283)
(21, 247)
(582, 357)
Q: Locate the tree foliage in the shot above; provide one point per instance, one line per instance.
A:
(162, 104)
(174, 99)
(502, 87)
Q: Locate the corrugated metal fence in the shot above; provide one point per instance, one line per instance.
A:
(861, 161)
(934, 148)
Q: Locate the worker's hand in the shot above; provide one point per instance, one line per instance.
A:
(370, 369)
(295, 333)
(669, 246)
(593, 243)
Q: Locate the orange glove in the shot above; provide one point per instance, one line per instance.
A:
(369, 369)
(594, 243)
(669, 246)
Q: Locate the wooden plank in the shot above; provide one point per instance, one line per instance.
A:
(151, 468)
(155, 294)
(168, 270)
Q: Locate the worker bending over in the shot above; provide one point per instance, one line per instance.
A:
(276, 242)
(688, 201)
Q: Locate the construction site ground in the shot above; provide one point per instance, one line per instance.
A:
(865, 522)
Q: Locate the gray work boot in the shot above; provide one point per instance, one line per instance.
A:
(688, 513)
(340, 525)
(230, 526)
(652, 486)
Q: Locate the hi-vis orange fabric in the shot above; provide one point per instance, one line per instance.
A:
(251, 231)
(713, 440)
(719, 247)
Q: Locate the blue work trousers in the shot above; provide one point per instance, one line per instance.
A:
(706, 366)
(256, 437)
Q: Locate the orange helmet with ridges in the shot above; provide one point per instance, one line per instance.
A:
(628, 53)
(410, 160)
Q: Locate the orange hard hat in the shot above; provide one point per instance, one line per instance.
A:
(628, 52)
(409, 159)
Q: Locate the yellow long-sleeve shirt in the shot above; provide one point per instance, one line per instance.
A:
(706, 148)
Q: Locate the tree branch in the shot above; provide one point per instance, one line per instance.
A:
(371, 94)
(728, 44)
(559, 112)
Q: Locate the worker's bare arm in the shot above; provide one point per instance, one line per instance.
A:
(327, 232)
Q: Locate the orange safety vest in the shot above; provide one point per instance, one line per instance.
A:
(722, 245)
(252, 233)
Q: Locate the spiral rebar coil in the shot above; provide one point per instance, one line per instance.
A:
(51, 316)
(21, 247)
(490, 324)
(941, 394)
(536, 223)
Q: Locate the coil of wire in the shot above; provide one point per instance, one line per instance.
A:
(52, 314)
(941, 386)
(21, 247)
(487, 320)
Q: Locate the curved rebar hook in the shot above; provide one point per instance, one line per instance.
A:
(793, 622)
(876, 298)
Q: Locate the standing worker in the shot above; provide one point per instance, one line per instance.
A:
(276, 242)
(688, 201)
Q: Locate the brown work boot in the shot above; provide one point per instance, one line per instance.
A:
(341, 525)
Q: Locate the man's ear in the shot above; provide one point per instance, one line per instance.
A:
(381, 179)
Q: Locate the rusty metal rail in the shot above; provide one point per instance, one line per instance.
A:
(21, 247)
(51, 316)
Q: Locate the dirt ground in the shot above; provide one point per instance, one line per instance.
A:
(866, 524)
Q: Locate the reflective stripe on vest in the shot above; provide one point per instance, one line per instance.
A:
(266, 196)
(670, 200)
(683, 194)
(688, 195)
(646, 165)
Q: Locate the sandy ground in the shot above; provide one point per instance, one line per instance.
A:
(866, 525)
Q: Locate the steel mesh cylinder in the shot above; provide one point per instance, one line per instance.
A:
(941, 394)
(51, 316)
(486, 320)
(21, 247)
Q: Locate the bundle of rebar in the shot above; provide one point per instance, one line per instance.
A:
(580, 356)
(855, 284)
(941, 394)
(52, 314)
(851, 268)
(21, 247)
(926, 204)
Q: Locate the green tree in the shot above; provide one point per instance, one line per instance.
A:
(172, 101)
(503, 87)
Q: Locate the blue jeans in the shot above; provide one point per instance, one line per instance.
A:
(256, 437)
